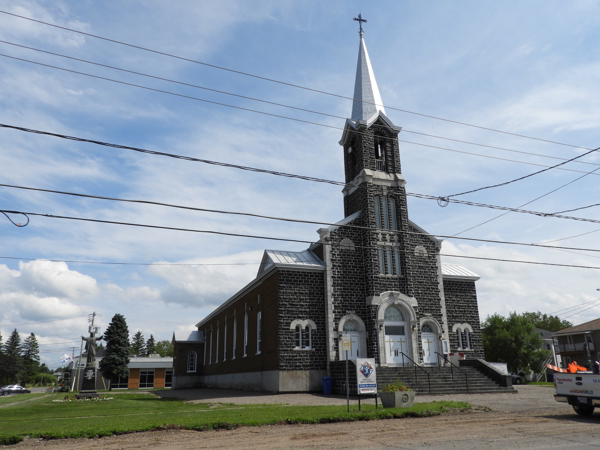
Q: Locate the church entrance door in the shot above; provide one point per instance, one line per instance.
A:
(395, 344)
(351, 329)
(429, 340)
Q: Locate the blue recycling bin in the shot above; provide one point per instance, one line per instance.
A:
(327, 385)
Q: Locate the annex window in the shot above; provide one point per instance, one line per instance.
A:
(147, 378)
(191, 362)
(225, 342)
(258, 332)
(168, 378)
(210, 346)
(246, 334)
(217, 347)
(234, 338)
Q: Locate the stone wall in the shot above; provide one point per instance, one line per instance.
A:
(461, 304)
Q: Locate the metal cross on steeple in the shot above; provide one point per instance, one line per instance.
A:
(360, 21)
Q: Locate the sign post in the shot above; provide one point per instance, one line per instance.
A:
(347, 346)
(366, 378)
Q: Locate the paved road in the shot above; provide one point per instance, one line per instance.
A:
(528, 420)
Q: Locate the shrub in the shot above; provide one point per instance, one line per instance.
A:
(396, 386)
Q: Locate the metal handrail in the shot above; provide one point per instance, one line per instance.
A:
(452, 370)
(415, 366)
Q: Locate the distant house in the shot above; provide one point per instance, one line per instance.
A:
(570, 342)
(548, 344)
(145, 372)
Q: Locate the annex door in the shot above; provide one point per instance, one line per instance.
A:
(429, 341)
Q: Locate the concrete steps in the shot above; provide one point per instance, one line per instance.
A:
(441, 380)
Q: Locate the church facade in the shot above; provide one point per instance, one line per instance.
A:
(375, 276)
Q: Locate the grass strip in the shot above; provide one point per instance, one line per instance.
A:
(134, 413)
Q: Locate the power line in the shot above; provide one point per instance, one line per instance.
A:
(285, 83)
(254, 169)
(579, 312)
(311, 222)
(575, 307)
(309, 111)
(523, 177)
(222, 233)
(578, 209)
(529, 202)
(575, 236)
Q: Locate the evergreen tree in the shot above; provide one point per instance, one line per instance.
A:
(1, 345)
(150, 346)
(164, 348)
(12, 364)
(138, 344)
(116, 357)
(31, 358)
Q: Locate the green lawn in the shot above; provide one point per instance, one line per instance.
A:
(127, 413)
(541, 383)
(18, 398)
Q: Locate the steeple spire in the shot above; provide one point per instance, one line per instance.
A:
(366, 93)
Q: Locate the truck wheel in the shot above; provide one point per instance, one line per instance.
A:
(584, 410)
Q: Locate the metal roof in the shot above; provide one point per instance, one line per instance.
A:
(194, 336)
(368, 99)
(146, 362)
(282, 258)
(456, 272)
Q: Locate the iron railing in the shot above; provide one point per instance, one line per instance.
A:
(417, 366)
(452, 366)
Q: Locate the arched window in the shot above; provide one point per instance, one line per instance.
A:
(459, 339)
(246, 334)
(205, 337)
(467, 339)
(350, 326)
(303, 337)
(426, 328)
(210, 345)
(393, 314)
(191, 362)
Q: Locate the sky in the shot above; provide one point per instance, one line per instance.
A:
(526, 68)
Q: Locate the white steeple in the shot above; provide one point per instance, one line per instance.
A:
(367, 101)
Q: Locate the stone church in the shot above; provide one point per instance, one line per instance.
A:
(375, 276)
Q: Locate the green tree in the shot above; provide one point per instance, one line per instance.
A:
(150, 346)
(12, 363)
(31, 358)
(138, 344)
(547, 321)
(116, 357)
(164, 348)
(512, 340)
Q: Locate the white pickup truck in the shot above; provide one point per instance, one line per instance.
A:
(580, 390)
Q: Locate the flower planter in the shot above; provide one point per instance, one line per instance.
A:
(397, 399)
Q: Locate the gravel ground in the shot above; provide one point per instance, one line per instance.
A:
(527, 397)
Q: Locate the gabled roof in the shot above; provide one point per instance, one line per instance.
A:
(287, 259)
(456, 272)
(592, 325)
(367, 101)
